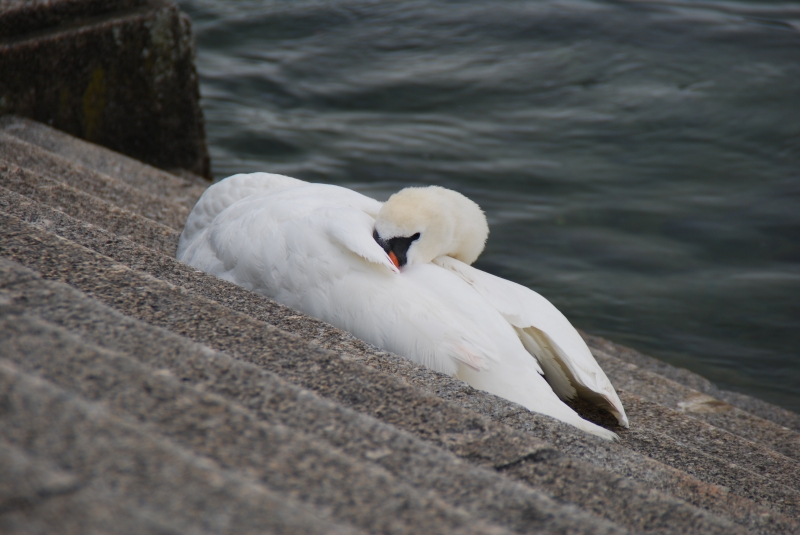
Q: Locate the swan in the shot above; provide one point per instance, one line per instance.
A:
(398, 275)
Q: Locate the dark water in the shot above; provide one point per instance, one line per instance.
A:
(639, 161)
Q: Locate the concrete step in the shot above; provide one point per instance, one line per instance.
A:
(116, 72)
(622, 461)
(90, 210)
(774, 436)
(462, 432)
(756, 407)
(717, 480)
(710, 474)
(112, 190)
(182, 190)
(668, 393)
(125, 464)
(485, 493)
(286, 461)
(37, 497)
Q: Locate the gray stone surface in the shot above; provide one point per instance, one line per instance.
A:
(95, 212)
(482, 492)
(466, 434)
(24, 480)
(112, 190)
(126, 463)
(380, 415)
(719, 414)
(38, 498)
(117, 73)
(287, 461)
(754, 406)
(609, 456)
(184, 191)
(18, 17)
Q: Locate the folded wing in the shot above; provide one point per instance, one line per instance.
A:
(567, 362)
(353, 230)
(223, 194)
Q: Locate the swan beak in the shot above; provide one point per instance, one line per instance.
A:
(393, 258)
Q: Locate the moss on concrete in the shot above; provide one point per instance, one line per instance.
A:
(94, 103)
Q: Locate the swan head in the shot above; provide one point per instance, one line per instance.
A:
(418, 224)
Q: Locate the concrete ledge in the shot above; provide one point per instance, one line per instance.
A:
(344, 381)
(691, 462)
(218, 429)
(600, 453)
(18, 17)
(122, 77)
(482, 492)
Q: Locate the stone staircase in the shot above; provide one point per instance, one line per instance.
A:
(140, 395)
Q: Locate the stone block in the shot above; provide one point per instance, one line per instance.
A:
(119, 74)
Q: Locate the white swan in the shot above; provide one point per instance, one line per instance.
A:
(398, 276)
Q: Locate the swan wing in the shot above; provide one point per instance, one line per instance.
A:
(489, 354)
(225, 193)
(352, 229)
(568, 364)
(452, 318)
(275, 226)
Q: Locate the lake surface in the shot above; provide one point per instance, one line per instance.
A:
(639, 162)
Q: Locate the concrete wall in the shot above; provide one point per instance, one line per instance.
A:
(117, 73)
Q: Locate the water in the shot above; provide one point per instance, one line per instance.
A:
(639, 162)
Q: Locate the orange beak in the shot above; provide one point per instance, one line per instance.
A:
(393, 258)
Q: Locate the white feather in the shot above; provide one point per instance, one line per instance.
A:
(225, 193)
(544, 331)
(311, 247)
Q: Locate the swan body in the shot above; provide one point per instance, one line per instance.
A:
(398, 275)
